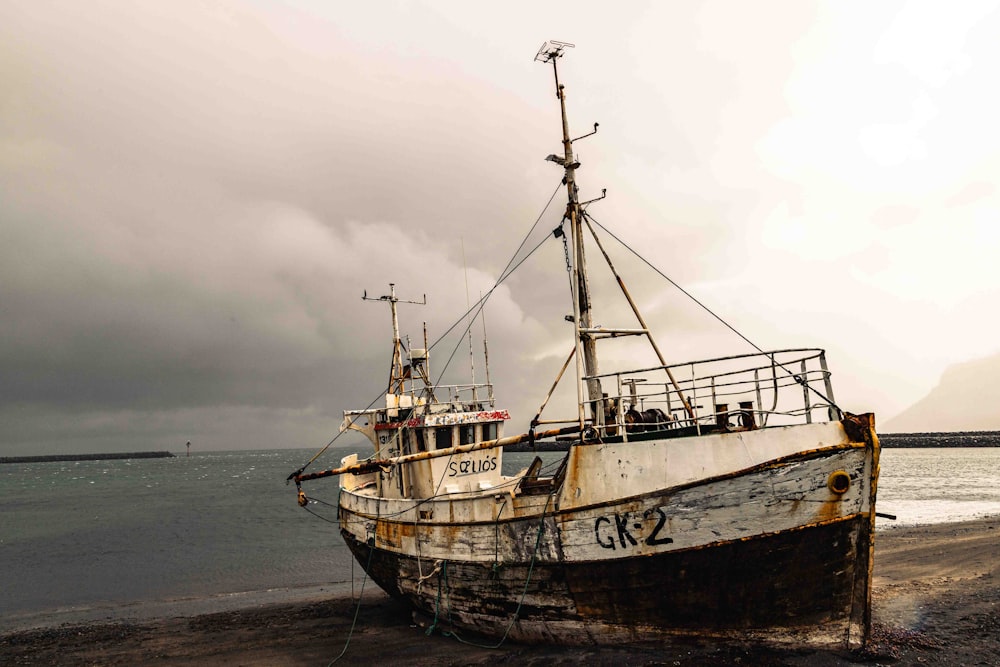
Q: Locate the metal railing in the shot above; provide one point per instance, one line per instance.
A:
(726, 393)
(463, 397)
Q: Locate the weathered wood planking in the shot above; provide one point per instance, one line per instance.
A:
(767, 499)
(792, 587)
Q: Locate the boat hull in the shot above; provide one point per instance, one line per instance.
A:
(796, 587)
(776, 552)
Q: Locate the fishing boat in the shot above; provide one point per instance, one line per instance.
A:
(727, 498)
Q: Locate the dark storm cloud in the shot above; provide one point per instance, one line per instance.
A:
(182, 207)
(194, 198)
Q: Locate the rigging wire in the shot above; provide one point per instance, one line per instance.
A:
(357, 608)
(530, 231)
(506, 273)
(710, 311)
(329, 444)
(672, 282)
(478, 307)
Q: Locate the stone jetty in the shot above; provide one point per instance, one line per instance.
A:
(85, 457)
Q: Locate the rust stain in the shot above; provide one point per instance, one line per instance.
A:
(572, 474)
(389, 534)
(831, 508)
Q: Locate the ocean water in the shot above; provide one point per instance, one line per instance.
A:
(95, 540)
(936, 485)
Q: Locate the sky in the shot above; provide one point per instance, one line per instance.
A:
(194, 197)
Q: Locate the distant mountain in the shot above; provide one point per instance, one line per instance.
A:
(966, 399)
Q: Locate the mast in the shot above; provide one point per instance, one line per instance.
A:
(397, 373)
(582, 320)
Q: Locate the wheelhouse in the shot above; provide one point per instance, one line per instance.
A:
(415, 425)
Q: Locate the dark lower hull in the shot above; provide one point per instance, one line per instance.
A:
(802, 586)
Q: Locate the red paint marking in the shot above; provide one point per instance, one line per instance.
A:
(486, 416)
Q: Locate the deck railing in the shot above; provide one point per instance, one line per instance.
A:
(447, 398)
(737, 392)
(465, 397)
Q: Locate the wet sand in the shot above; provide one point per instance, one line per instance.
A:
(936, 602)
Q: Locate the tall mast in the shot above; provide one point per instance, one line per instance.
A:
(397, 377)
(585, 342)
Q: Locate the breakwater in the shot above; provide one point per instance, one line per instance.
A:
(945, 439)
(85, 457)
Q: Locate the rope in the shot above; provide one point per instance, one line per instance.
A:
(524, 590)
(496, 537)
(424, 577)
(437, 603)
(357, 608)
(320, 516)
(499, 487)
(327, 446)
(478, 307)
(508, 270)
(416, 527)
(441, 569)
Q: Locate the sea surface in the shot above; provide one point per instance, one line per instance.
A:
(132, 539)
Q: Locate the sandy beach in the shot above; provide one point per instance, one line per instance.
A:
(936, 602)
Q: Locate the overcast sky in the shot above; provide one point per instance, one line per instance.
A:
(194, 196)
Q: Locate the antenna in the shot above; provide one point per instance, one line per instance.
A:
(486, 351)
(551, 50)
(472, 357)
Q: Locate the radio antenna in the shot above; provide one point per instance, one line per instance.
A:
(472, 356)
(552, 49)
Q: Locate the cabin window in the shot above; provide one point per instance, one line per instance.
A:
(490, 431)
(468, 434)
(442, 437)
(419, 443)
